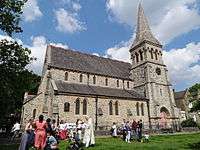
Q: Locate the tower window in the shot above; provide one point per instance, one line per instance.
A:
(106, 81)
(141, 55)
(66, 76)
(117, 83)
(81, 78)
(151, 52)
(160, 92)
(156, 55)
(137, 57)
(94, 79)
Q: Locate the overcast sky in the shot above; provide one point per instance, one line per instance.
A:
(107, 28)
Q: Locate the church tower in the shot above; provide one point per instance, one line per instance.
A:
(149, 73)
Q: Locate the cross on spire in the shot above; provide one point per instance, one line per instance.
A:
(143, 32)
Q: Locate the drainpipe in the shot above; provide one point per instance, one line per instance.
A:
(96, 113)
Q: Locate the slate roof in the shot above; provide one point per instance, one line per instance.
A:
(64, 87)
(73, 60)
(143, 32)
(179, 95)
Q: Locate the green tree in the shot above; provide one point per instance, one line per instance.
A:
(15, 79)
(194, 97)
(10, 12)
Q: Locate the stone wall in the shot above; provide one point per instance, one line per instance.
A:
(74, 77)
(105, 120)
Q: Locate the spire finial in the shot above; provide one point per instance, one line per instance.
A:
(143, 31)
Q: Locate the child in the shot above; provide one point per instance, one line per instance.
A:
(146, 137)
(51, 142)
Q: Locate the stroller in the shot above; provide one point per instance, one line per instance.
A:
(76, 143)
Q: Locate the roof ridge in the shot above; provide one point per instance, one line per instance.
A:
(82, 53)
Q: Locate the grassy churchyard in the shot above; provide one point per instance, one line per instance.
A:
(157, 142)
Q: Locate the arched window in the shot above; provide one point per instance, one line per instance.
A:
(94, 79)
(128, 84)
(137, 109)
(66, 76)
(151, 53)
(66, 107)
(34, 113)
(117, 83)
(77, 108)
(141, 55)
(116, 108)
(81, 78)
(110, 108)
(156, 55)
(84, 107)
(106, 81)
(137, 57)
(142, 109)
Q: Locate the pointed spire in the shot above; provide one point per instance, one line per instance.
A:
(143, 32)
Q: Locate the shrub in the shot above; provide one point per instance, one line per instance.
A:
(189, 123)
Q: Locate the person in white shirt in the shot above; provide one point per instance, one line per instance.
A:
(79, 129)
(89, 138)
(114, 130)
(15, 130)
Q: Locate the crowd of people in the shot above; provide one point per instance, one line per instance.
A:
(129, 130)
(45, 135)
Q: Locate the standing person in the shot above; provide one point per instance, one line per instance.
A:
(139, 127)
(128, 132)
(134, 128)
(49, 128)
(53, 125)
(89, 133)
(62, 130)
(25, 143)
(114, 130)
(124, 129)
(79, 129)
(40, 133)
(15, 130)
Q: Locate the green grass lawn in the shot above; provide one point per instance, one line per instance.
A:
(161, 142)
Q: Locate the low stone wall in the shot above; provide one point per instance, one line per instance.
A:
(190, 129)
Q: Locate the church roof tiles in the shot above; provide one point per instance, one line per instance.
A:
(77, 61)
(64, 87)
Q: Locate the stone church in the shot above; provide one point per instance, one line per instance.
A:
(76, 84)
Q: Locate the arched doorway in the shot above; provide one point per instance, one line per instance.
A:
(164, 114)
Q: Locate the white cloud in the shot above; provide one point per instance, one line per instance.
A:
(184, 64)
(68, 22)
(76, 6)
(168, 18)
(31, 11)
(38, 50)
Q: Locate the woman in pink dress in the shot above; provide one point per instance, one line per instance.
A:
(40, 133)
